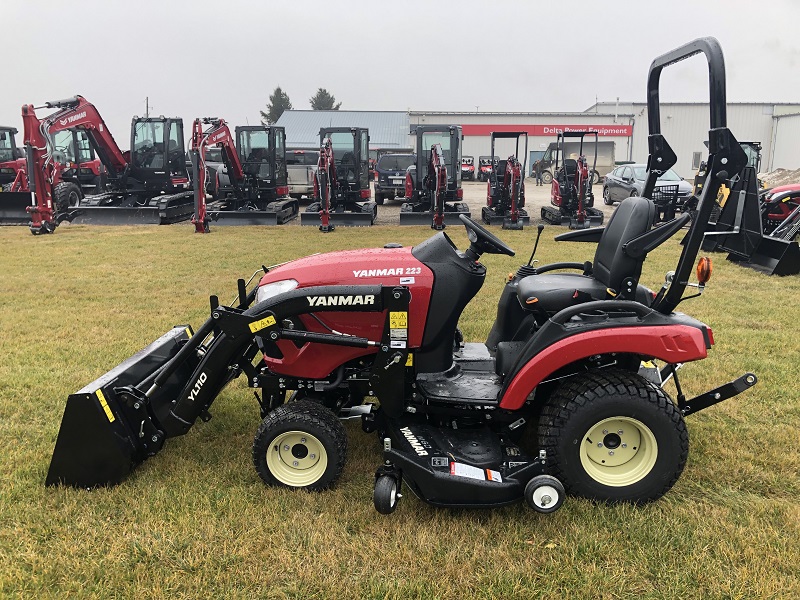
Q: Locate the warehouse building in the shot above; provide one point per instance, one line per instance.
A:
(622, 130)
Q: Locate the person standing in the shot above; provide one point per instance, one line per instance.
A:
(537, 170)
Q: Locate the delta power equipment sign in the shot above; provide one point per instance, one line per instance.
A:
(550, 130)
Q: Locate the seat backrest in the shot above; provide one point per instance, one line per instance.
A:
(570, 167)
(633, 217)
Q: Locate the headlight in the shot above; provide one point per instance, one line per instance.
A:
(270, 290)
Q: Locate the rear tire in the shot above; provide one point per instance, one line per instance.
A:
(595, 177)
(613, 436)
(547, 177)
(379, 198)
(300, 445)
(634, 193)
(67, 195)
(607, 197)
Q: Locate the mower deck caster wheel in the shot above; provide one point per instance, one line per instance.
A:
(386, 494)
(544, 494)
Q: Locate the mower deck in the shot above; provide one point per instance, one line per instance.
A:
(471, 468)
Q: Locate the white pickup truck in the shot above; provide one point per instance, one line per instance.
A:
(301, 166)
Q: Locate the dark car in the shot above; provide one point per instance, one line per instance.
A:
(390, 175)
(628, 180)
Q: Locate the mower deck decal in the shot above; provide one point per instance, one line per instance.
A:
(262, 324)
(105, 406)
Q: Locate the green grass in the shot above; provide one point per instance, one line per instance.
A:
(196, 521)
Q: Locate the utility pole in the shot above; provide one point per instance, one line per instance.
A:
(146, 107)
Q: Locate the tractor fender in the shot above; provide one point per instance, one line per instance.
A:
(669, 343)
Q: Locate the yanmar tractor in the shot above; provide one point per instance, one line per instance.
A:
(433, 184)
(341, 182)
(505, 191)
(571, 189)
(561, 397)
(250, 186)
(148, 184)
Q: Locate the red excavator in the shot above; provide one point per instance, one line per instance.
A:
(505, 189)
(148, 184)
(81, 172)
(571, 192)
(341, 185)
(250, 187)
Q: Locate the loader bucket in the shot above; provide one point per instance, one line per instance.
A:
(102, 437)
(773, 256)
(13, 207)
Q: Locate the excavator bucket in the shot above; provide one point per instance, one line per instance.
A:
(107, 430)
(13, 207)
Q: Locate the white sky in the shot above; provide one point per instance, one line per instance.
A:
(204, 58)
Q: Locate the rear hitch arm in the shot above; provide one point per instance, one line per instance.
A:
(723, 392)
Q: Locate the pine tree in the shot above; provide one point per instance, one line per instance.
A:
(322, 100)
(278, 102)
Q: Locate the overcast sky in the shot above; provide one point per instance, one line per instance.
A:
(224, 58)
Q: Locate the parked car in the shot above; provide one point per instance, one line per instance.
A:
(467, 168)
(628, 180)
(301, 166)
(390, 175)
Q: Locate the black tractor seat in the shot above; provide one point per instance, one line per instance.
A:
(621, 251)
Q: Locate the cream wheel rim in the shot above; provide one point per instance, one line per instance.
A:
(297, 458)
(618, 451)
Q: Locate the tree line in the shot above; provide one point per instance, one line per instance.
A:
(279, 101)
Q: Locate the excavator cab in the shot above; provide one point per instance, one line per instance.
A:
(13, 181)
(158, 156)
(262, 154)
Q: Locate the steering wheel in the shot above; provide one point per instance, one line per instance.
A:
(482, 241)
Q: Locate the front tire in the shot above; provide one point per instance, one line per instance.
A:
(300, 445)
(613, 436)
(607, 197)
(547, 177)
(67, 195)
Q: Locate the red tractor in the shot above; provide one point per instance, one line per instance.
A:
(250, 186)
(571, 189)
(562, 397)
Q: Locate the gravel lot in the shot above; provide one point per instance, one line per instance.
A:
(475, 197)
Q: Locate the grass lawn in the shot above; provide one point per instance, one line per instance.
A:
(197, 522)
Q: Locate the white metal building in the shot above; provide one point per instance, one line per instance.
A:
(622, 129)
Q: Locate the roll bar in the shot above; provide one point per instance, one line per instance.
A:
(726, 157)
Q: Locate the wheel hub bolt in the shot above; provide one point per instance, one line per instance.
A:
(312, 456)
(624, 445)
(611, 453)
(295, 463)
(286, 447)
(599, 444)
(619, 432)
(302, 440)
(605, 431)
